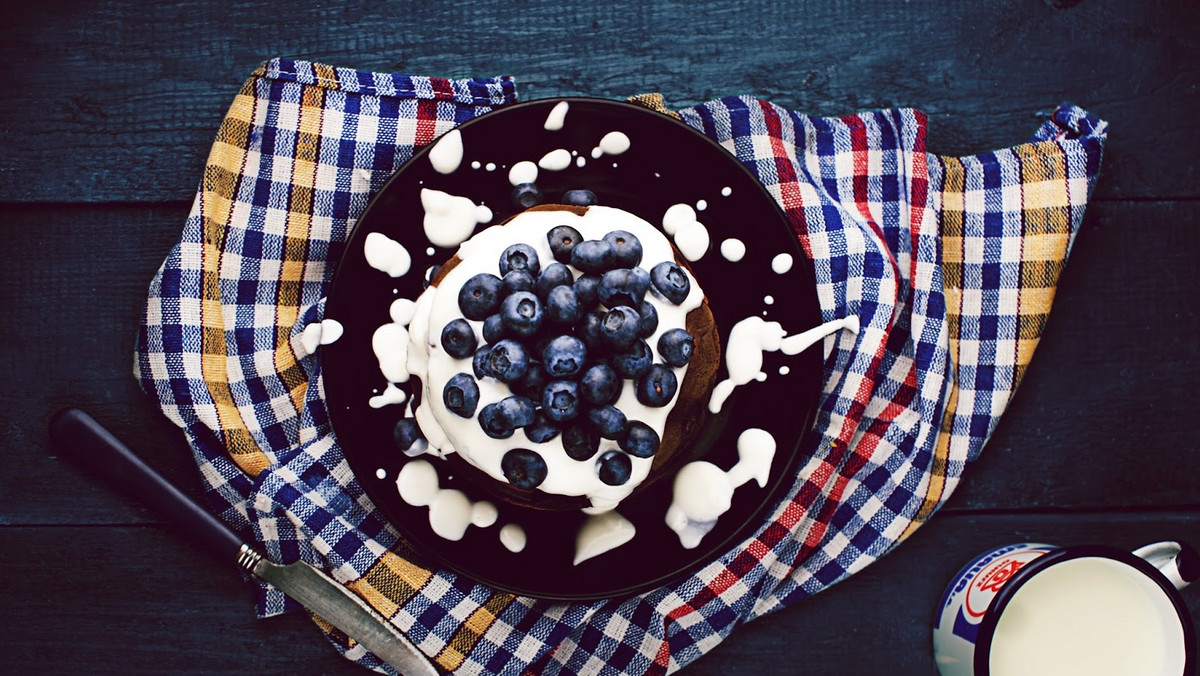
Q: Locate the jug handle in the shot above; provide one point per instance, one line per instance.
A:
(1178, 561)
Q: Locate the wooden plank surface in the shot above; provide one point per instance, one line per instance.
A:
(109, 113)
(136, 600)
(118, 100)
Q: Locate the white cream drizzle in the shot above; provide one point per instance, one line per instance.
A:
(733, 250)
(389, 342)
(320, 333)
(522, 172)
(726, 191)
(512, 536)
(753, 336)
(390, 395)
(555, 160)
(690, 235)
(447, 153)
(601, 533)
(614, 143)
(448, 433)
(702, 492)
(402, 310)
(781, 263)
(450, 219)
(386, 254)
(558, 114)
(450, 510)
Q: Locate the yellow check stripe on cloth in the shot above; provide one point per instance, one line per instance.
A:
(950, 264)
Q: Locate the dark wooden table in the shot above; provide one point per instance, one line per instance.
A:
(108, 113)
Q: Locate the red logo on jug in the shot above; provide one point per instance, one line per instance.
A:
(989, 581)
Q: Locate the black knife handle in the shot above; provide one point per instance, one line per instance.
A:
(84, 441)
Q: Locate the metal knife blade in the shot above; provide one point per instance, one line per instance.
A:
(80, 438)
(345, 610)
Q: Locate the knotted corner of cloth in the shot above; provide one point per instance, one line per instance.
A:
(950, 264)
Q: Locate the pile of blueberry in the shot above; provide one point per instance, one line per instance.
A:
(565, 347)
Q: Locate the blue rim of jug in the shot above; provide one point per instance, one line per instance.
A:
(987, 627)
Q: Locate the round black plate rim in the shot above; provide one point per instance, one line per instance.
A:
(781, 479)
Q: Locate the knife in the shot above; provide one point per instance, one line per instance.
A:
(83, 440)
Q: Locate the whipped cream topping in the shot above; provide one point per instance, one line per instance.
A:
(447, 432)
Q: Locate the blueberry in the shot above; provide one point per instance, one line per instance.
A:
(532, 383)
(593, 256)
(600, 385)
(560, 400)
(406, 433)
(461, 395)
(589, 331)
(627, 249)
(579, 198)
(517, 280)
(562, 305)
(564, 356)
(493, 328)
(623, 286)
(619, 327)
(609, 421)
(580, 441)
(517, 411)
(493, 423)
(676, 347)
(555, 274)
(542, 429)
(614, 468)
(458, 339)
(657, 386)
(587, 289)
(634, 361)
(523, 468)
(649, 319)
(641, 442)
(519, 257)
(507, 361)
(480, 296)
(522, 314)
(480, 364)
(563, 239)
(526, 195)
(671, 281)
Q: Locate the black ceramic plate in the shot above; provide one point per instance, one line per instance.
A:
(667, 163)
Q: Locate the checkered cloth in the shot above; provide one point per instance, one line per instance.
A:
(950, 263)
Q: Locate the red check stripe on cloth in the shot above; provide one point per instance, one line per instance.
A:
(950, 264)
